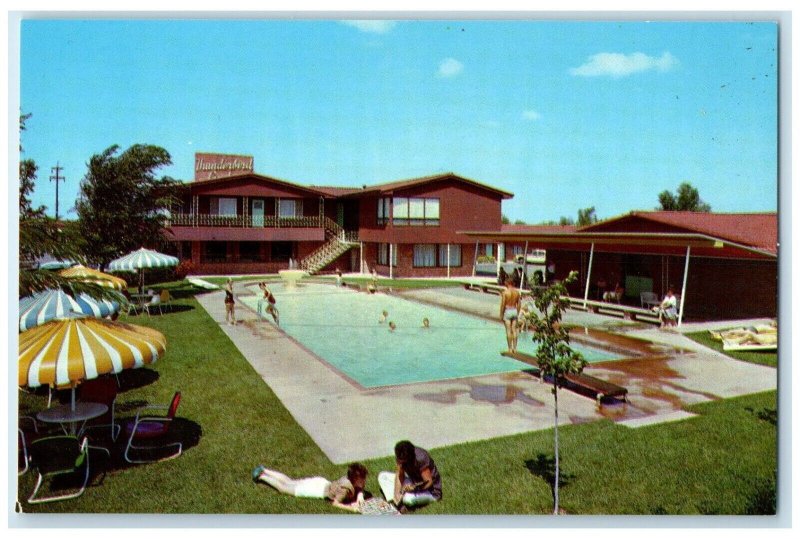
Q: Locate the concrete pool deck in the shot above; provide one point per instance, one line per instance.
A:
(441, 413)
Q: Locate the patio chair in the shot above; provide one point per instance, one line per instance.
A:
(166, 299)
(649, 300)
(104, 391)
(24, 438)
(59, 455)
(155, 302)
(152, 427)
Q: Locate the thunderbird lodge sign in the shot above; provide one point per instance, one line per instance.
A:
(210, 166)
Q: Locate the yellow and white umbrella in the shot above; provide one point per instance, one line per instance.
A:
(90, 275)
(64, 352)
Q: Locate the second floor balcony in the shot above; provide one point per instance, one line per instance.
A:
(245, 221)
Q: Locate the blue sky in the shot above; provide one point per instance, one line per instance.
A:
(564, 114)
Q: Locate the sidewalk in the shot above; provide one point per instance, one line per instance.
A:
(448, 412)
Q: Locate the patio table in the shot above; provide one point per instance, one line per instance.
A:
(66, 415)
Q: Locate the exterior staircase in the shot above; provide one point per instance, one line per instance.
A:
(338, 242)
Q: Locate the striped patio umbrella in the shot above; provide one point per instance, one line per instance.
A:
(141, 260)
(90, 275)
(51, 304)
(65, 352)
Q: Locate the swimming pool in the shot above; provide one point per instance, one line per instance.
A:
(342, 327)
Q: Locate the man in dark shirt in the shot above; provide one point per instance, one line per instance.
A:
(416, 481)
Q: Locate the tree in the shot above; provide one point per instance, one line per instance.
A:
(687, 199)
(519, 222)
(40, 235)
(555, 357)
(565, 221)
(586, 216)
(504, 219)
(122, 205)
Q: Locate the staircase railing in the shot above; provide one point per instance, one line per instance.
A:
(338, 241)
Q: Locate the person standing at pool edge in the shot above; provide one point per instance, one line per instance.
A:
(230, 315)
(416, 481)
(270, 301)
(510, 300)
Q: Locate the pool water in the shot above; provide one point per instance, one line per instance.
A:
(343, 327)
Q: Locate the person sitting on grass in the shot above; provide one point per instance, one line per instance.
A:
(347, 492)
(416, 481)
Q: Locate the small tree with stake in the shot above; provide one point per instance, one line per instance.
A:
(555, 357)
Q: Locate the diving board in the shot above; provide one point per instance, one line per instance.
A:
(600, 388)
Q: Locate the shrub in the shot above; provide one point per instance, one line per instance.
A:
(186, 267)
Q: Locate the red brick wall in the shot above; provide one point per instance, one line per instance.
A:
(405, 262)
(461, 207)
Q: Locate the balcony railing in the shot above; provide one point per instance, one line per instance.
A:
(244, 221)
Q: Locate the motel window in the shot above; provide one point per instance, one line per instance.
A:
(383, 255)
(424, 255)
(516, 250)
(214, 251)
(290, 208)
(415, 211)
(250, 251)
(455, 255)
(223, 206)
(383, 210)
(280, 251)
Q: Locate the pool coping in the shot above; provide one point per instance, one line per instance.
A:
(443, 413)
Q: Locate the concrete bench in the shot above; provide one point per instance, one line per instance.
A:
(600, 388)
(626, 311)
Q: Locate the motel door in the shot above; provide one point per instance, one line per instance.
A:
(258, 213)
(340, 214)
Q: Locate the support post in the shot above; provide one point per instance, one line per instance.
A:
(391, 245)
(588, 277)
(448, 260)
(524, 266)
(361, 257)
(475, 260)
(683, 288)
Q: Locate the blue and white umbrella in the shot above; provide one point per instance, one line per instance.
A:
(140, 260)
(51, 304)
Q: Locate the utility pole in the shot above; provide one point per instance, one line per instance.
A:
(57, 179)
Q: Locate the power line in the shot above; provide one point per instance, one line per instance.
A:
(57, 177)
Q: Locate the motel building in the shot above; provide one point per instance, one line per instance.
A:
(231, 220)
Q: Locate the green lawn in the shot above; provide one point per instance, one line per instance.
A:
(761, 358)
(721, 462)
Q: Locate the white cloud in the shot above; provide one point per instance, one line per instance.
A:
(621, 65)
(372, 26)
(531, 114)
(450, 67)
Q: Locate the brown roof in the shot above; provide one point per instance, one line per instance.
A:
(538, 229)
(759, 230)
(259, 177)
(413, 182)
(336, 191)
